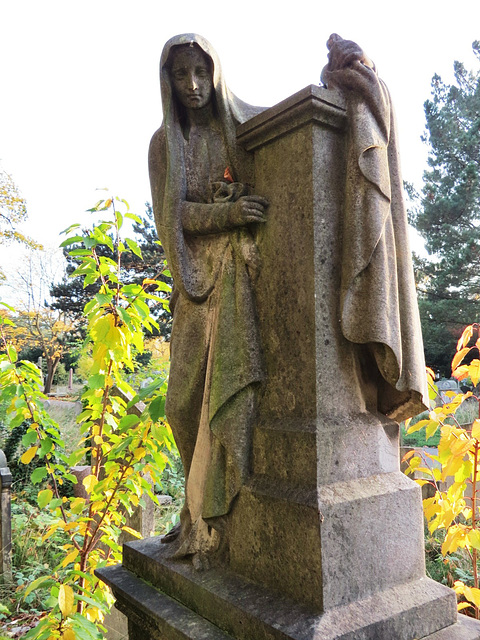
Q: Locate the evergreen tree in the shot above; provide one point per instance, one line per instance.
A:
(448, 215)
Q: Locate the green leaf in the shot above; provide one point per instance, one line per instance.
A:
(79, 252)
(76, 225)
(42, 581)
(46, 445)
(157, 408)
(103, 298)
(29, 438)
(72, 240)
(12, 353)
(44, 498)
(97, 381)
(84, 629)
(119, 219)
(129, 421)
(38, 475)
(133, 246)
(134, 217)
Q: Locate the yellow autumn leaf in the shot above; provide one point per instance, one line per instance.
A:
(476, 429)
(431, 429)
(421, 482)
(474, 371)
(69, 634)
(135, 500)
(460, 447)
(29, 455)
(132, 532)
(461, 372)
(465, 337)
(50, 531)
(459, 587)
(71, 557)
(408, 455)
(93, 614)
(77, 505)
(431, 508)
(89, 482)
(417, 426)
(473, 595)
(452, 540)
(65, 599)
(458, 357)
(139, 453)
(474, 538)
(463, 605)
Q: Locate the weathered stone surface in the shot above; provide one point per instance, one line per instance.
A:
(325, 535)
(246, 612)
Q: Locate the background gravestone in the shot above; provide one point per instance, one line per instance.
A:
(5, 520)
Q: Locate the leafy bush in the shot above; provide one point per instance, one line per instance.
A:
(125, 438)
(454, 509)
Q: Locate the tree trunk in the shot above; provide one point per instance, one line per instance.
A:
(52, 364)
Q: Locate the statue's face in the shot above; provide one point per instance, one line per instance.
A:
(192, 77)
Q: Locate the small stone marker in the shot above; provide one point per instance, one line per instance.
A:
(5, 520)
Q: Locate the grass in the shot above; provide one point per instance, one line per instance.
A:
(65, 415)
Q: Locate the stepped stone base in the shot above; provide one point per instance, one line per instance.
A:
(178, 603)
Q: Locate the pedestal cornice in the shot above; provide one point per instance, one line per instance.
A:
(325, 106)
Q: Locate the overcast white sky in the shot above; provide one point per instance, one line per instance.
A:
(80, 90)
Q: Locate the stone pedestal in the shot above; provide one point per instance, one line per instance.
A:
(327, 537)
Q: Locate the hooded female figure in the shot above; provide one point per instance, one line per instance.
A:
(205, 219)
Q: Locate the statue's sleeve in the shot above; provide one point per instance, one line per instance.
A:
(377, 273)
(157, 167)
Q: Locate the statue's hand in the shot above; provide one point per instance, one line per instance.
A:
(344, 53)
(247, 210)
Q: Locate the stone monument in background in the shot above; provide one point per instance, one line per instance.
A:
(295, 348)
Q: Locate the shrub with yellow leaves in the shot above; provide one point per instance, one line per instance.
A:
(123, 433)
(454, 509)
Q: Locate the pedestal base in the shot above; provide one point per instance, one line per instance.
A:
(181, 603)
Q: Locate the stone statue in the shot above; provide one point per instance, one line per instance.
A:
(284, 374)
(206, 219)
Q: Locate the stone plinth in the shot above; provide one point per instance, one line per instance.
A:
(326, 539)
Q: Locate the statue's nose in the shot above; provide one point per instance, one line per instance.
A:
(193, 82)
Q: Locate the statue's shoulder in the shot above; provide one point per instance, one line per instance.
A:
(158, 139)
(156, 153)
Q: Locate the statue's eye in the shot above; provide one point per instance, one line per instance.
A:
(202, 72)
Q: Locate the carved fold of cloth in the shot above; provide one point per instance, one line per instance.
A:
(378, 296)
(215, 360)
(228, 352)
